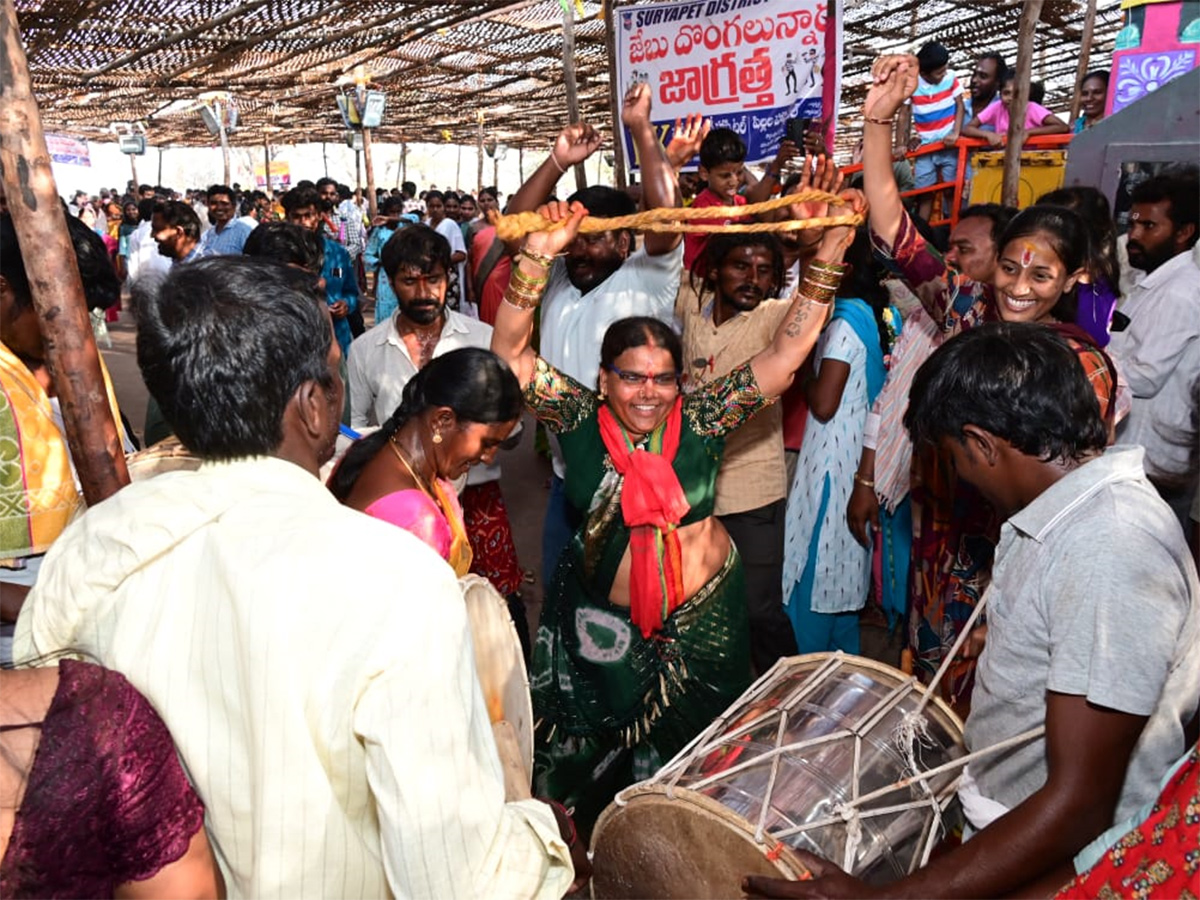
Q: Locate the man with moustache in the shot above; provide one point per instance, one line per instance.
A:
(227, 236)
(1159, 352)
(728, 317)
(985, 83)
(176, 229)
(302, 206)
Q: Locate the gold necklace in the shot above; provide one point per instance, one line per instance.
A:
(420, 482)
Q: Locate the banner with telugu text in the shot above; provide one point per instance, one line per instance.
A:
(750, 65)
(68, 150)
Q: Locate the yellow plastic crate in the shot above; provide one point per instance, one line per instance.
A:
(1041, 171)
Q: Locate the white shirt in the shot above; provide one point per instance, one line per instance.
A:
(452, 232)
(330, 719)
(379, 366)
(1159, 356)
(573, 324)
(144, 258)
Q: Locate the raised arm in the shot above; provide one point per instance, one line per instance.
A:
(660, 184)
(574, 144)
(513, 330)
(895, 79)
(775, 367)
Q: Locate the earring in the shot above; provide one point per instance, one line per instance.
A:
(437, 437)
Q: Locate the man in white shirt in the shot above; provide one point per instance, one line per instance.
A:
(144, 258)
(435, 203)
(1159, 351)
(601, 277)
(332, 723)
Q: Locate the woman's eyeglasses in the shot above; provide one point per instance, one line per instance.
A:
(660, 379)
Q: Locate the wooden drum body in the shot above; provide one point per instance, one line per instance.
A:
(824, 753)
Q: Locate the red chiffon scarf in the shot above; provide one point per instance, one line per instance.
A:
(652, 504)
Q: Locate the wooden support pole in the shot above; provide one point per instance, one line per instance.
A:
(569, 81)
(369, 165)
(54, 282)
(160, 165)
(479, 154)
(1030, 13)
(224, 141)
(133, 167)
(267, 167)
(403, 176)
(1085, 53)
(614, 97)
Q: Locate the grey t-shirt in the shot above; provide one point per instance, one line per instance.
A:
(1093, 594)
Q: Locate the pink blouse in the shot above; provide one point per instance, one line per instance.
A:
(415, 511)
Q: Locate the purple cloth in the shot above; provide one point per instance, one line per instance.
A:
(1097, 302)
(106, 800)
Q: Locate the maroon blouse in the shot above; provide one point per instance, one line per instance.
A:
(106, 801)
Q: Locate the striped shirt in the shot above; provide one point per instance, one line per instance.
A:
(933, 108)
(227, 241)
(329, 717)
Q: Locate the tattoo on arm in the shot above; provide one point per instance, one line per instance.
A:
(795, 326)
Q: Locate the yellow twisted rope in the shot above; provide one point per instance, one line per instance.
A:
(516, 226)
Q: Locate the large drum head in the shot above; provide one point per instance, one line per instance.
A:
(658, 847)
(500, 663)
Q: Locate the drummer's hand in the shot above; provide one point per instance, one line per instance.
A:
(827, 881)
(976, 641)
(583, 868)
(556, 239)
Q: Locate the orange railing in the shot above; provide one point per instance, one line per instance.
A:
(964, 146)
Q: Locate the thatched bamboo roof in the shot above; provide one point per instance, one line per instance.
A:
(96, 62)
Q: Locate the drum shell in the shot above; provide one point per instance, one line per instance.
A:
(829, 698)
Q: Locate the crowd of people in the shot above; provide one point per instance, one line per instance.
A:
(753, 436)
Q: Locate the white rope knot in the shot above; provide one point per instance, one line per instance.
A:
(849, 815)
(910, 735)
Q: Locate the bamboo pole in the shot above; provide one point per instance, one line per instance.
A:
(1030, 13)
(267, 168)
(1085, 52)
(569, 81)
(403, 170)
(160, 165)
(614, 97)
(221, 110)
(369, 165)
(479, 154)
(37, 215)
(133, 168)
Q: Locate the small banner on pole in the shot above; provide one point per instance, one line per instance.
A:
(68, 150)
(749, 65)
(281, 175)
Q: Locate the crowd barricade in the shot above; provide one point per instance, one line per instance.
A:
(959, 187)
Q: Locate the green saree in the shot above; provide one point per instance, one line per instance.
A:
(612, 706)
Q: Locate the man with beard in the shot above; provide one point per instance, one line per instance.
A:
(985, 83)
(176, 230)
(302, 206)
(416, 260)
(733, 318)
(227, 236)
(602, 277)
(1159, 352)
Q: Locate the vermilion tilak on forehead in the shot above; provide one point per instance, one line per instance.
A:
(1027, 255)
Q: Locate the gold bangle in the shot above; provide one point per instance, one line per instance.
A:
(876, 121)
(528, 280)
(537, 259)
(865, 482)
(522, 303)
(531, 296)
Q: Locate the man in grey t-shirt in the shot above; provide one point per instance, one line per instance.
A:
(1093, 617)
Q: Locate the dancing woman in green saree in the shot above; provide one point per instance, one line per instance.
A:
(643, 638)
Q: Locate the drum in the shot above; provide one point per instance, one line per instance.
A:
(825, 753)
(501, 668)
(167, 455)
